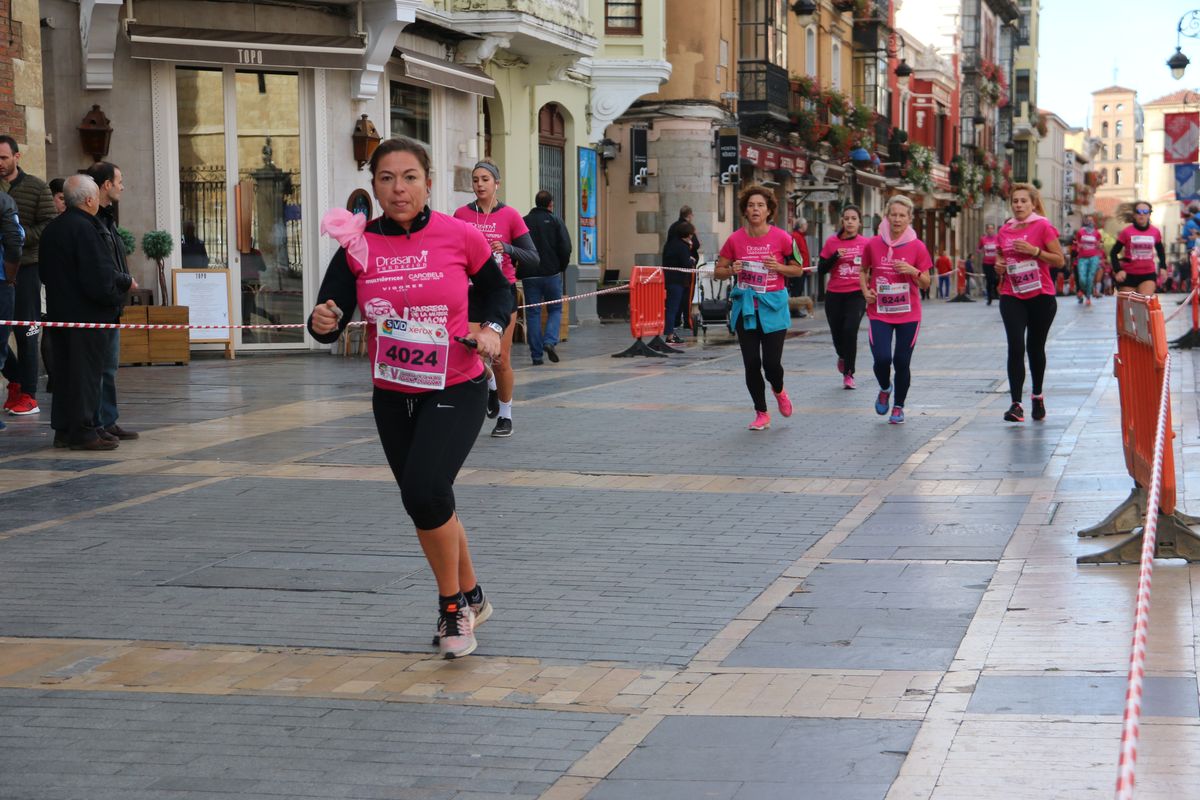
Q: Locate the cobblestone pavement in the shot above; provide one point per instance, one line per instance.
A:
(233, 606)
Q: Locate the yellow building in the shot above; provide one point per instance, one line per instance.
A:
(1026, 122)
(1118, 123)
(22, 114)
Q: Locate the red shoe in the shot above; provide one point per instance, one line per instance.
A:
(14, 394)
(24, 406)
(785, 403)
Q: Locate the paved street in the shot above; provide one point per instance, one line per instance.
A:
(235, 606)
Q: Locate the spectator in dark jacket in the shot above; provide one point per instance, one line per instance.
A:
(677, 252)
(108, 178)
(83, 284)
(12, 236)
(686, 215)
(553, 244)
(36, 207)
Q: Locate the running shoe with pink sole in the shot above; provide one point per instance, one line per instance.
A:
(848, 382)
(762, 421)
(785, 403)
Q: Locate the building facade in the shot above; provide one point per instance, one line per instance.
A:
(1055, 171)
(1027, 122)
(1117, 121)
(1159, 176)
(242, 134)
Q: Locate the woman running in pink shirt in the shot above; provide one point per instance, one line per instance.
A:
(407, 272)
(504, 228)
(1029, 249)
(1143, 245)
(841, 257)
(895, 268)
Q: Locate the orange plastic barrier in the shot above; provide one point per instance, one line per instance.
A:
(647, 302)
(1138, 366)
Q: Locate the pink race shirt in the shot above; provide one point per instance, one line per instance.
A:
(741, 246)
(503, 224)
(1139, 256)
(844, 275)
(1088, 243)
(422, 278)
(1026, 277)
(988, 245)
(896, 294)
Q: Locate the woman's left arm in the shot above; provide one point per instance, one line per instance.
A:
(523, 252)
(1052, 253)
(1162, 255)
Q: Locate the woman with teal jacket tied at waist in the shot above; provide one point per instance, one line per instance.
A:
(760, 255)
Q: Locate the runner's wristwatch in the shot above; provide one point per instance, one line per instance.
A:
(496, 326)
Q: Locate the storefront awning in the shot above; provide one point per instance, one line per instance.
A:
(429, 69)
(246, 48)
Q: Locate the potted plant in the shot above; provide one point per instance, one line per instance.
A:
(157, 245)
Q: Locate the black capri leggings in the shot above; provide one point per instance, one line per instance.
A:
(761, 352)
(1027, 325)
(844, 310)
(426, 438)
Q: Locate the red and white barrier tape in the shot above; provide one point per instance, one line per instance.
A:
(1183, 306)
(1141, 620)
(610, 290)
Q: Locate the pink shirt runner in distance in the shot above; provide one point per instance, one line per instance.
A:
(422, 277)
(1039, 233)
(844, 275)
(987, 244)
(1138, 254)
(504, 224)
(878, 263)
(741, 246)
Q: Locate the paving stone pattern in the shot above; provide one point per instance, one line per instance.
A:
(962, 527)
(128, 746)
(869, 616)
(570, 578)
(741, 758)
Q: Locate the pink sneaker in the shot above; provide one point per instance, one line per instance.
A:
(848, 382)
(785, 403)
(762, 421)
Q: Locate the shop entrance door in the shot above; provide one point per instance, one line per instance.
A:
(240, 200)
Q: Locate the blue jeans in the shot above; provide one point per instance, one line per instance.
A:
(542, 290)
(106, 411)
(7, 298)
(675, 295)
(944, 285)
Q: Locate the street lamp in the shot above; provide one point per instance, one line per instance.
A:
(902, 72)
(1189, 26)
(804, 10)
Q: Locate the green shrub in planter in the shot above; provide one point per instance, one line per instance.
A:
(157, 245)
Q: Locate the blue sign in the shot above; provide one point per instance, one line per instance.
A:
(589, 205)
(1187, 181)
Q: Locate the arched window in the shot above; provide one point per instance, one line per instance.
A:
(1118, 152)
(1120, 106)
(552, 139)
(1120, 128)
(835, 70)
(1117, 176)
(1104, 129)
(1104, 175)
(1104, 107)
(810, 50)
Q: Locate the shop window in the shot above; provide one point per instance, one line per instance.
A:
(409, 109)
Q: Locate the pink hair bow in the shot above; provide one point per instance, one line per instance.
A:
(346, 229)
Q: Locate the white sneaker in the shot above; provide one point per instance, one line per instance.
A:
(483, 612)
(456, 631)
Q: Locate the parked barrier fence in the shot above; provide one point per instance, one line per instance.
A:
(647, 314)
(1140, 366)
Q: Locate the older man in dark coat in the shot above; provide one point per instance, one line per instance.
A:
(83, 284)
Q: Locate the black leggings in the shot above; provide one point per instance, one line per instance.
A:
(1027, 324)
(426, 438)
(844, 310)
(761, 352)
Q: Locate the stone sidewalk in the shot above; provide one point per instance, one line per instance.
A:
(234, 606)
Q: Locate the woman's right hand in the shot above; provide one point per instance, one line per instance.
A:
(869, 295)
(325, 317)
(999, 266)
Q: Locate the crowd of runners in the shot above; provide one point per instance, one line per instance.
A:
(438, 292)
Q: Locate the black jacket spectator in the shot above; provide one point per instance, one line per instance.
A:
(694, 247)
(108, 225)
(83, 282)
(551, 239)
(677, 252)
(37, 209)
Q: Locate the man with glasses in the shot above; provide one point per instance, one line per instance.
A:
(1143, 246)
